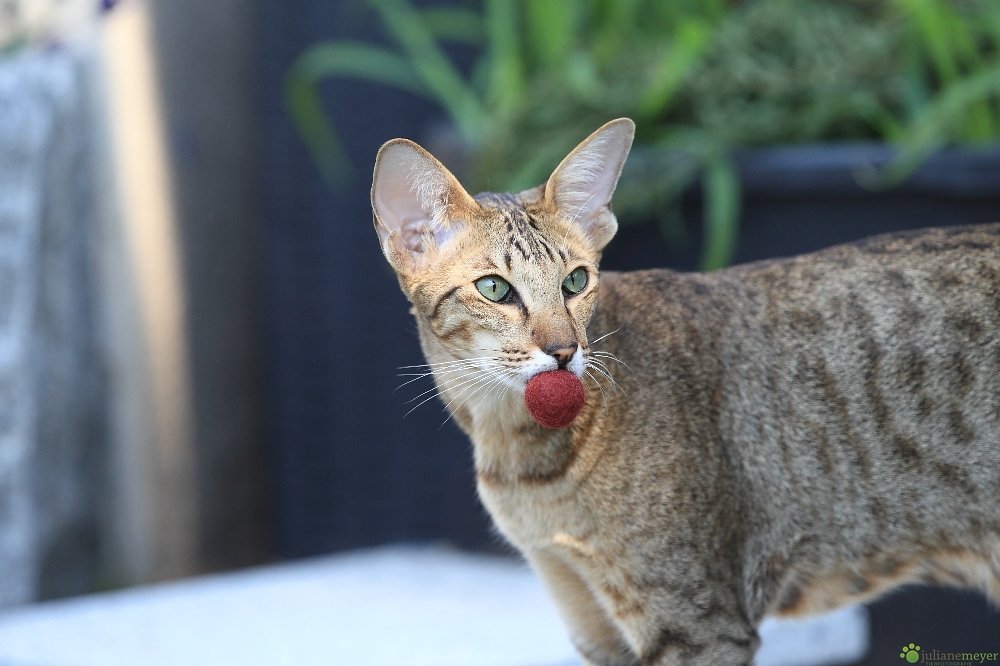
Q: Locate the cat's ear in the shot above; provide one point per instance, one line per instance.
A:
(581, 186)
(418, 205)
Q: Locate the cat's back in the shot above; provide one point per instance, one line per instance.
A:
(936, 290)
(956, 260)
(899, 308)
(897, 327)
(863, 387)
(890, 344)
(936, 265)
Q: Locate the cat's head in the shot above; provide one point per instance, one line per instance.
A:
(507, 281)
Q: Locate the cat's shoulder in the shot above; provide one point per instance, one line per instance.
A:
(922, 249)
(983, 238)
(933, 240)
(969, 254)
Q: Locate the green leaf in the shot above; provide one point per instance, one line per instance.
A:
(935, 124)
(616, 28)
(543, 159)
(550, 27)
(689, 43)
(506, 82)
(343, 59)
(932, 129)
(722, 209)
(439, 76)
(932, 22)
(949, 42)
(454, 24)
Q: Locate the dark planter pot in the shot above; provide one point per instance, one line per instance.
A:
(800, 199)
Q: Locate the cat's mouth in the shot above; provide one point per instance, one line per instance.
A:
(539, 362)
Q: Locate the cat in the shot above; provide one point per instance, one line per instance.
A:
(775, 438)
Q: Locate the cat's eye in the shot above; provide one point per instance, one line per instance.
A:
(575, 281)
(494, 288)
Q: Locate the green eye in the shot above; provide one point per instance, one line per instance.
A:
(494, 288)
(575, 281)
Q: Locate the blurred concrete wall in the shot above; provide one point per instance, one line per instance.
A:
(131, 441)
(206, 55)
(53, 419)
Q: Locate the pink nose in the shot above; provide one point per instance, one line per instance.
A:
(561, 352)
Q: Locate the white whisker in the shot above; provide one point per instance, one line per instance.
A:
(437, 373)
(511, 372)
(610, 357)
(446, 386)
(596, 340)
(492, 380)
(444, 364)
(590, 375)
(603, 369)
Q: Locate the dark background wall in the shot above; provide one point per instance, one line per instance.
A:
(349, 470)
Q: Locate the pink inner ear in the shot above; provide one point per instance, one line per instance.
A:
(412, 231)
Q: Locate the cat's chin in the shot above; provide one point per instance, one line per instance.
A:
(504, 414)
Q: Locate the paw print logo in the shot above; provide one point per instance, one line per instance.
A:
(911, 653)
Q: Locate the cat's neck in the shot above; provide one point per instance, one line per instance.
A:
(510, 448)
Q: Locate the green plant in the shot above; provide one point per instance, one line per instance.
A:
(701, 78)
(953, 55)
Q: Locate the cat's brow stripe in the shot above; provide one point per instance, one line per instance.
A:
(516, 242)
(548, 250)
(462, 330)
(524, 231)
(440, 301)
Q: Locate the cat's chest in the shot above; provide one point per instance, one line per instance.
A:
(538, 516)
(538, 485)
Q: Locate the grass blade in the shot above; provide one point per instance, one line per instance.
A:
(722, 209)
(454, 24)
(506, 80)
(440, 77)
(550, 26)
(935, 124)
(690, 41)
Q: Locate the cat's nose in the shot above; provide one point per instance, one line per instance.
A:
(562, 352)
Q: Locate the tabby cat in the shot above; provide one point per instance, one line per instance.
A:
(776, 438)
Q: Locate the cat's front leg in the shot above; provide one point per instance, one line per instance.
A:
(678, 638)
(593, 635)
(669, 652)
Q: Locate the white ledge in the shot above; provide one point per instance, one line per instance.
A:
(418, 606)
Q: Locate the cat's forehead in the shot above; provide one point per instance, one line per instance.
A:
(505, 213)
(515, 236)
(499, 200)
(524, 232)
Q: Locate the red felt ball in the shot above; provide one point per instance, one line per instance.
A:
(554, 398)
